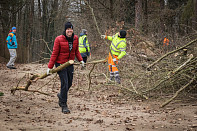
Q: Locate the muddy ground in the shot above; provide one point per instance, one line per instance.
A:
(105, 108)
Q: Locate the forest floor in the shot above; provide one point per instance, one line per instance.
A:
(105, 108)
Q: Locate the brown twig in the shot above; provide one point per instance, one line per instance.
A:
(89, 78)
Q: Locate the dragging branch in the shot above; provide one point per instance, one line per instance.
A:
(23, 89)
(36, 77)
(93, 62)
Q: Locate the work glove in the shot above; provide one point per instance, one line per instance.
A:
(82, 63)
(114, 60)
(102, 36)
(48, 71)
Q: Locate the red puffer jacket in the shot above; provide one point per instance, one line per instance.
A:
(61, 53)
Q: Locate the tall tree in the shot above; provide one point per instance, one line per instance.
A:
(138, 14)
(162, 24)
(195, 15)
(145, 21)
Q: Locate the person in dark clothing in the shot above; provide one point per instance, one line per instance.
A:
(65, 48)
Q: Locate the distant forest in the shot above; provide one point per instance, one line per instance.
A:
(38, 22)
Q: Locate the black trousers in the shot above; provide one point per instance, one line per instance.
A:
(85, 59)
(66, 78)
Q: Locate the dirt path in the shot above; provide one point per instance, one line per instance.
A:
(105, 109)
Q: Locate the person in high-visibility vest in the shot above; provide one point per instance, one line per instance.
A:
(84, 46)
(165, 41)
(118, 50)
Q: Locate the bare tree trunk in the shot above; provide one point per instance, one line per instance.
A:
(162, 26)
(5, 27)
(145, 17)
(195, 15)
(138, 14)
(111, 9)
(29, 29)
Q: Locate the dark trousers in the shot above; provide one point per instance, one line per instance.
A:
(66, 78)
(85, 59)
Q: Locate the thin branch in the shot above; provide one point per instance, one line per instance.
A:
(40, 60)
(103, 5)
(93, 62)
(137, 91)
(97, 27)
(176, 94)
(44, 42)
(89, 78)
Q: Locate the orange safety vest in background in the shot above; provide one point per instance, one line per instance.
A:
(165, 42)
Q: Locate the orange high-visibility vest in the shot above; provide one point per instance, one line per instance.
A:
(165, 42)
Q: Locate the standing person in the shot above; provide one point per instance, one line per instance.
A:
(84, 46)
(118, 50)
(65, 48)
(166, 43)
(12, 46)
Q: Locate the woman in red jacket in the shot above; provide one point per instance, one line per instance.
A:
(65, 48)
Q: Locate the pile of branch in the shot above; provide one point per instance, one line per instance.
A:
(166, 74)
(185, 74)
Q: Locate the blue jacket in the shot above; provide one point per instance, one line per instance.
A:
(11, 41)
(84, 43)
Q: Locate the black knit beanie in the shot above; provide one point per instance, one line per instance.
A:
(123, 34)
(68, 25)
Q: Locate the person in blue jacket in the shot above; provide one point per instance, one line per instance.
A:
(12, 46)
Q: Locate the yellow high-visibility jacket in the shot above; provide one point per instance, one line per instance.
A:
(83, 44)
(118, 45)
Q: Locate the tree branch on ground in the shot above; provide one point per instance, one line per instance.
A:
(176, 94)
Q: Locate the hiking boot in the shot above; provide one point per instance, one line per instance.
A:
(65, 109)
(11, 67)
(117, 79)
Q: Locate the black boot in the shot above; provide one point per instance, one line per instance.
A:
(65, 109)
(64, 106)
(59, 102)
